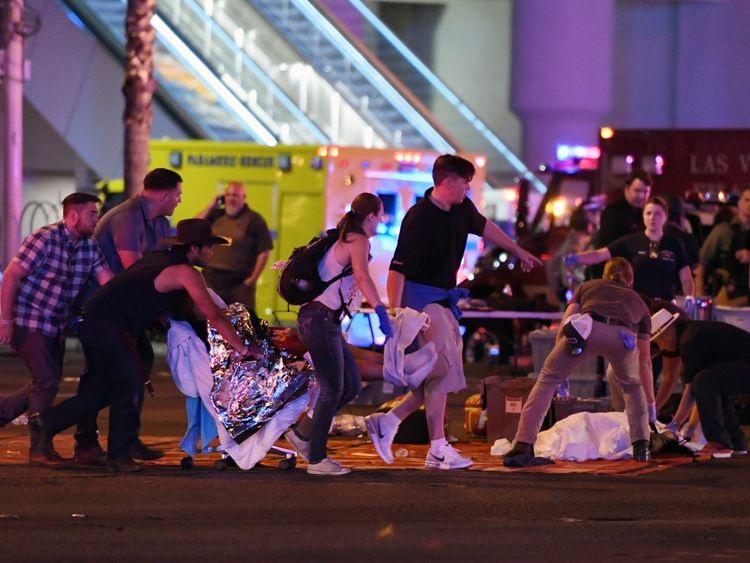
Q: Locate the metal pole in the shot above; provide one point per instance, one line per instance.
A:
(12, 85)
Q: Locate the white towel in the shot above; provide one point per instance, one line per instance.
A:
(406, 325)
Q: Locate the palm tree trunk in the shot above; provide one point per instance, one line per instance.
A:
(138, 90)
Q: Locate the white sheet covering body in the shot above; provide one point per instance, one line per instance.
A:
(189, 363)
(591, 435)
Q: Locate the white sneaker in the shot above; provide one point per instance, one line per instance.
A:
(381, 436)
(327, 466)
(302, 447)
(447, 458)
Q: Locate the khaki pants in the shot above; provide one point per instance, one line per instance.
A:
(604, 340)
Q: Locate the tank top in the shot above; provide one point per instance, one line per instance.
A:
(345, 288)
(130, 300)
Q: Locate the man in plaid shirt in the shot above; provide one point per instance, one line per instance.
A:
(39, 286)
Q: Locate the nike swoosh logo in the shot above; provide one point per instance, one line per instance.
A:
(437, 458)
(380, 434)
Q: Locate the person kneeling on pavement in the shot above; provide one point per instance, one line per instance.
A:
(716, 365)
(114, 320)
(605, 317)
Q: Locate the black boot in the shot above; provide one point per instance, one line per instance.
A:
(141, 451)
(521, 448)
(640, 450)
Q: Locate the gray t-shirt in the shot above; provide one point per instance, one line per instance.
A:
(127, 227)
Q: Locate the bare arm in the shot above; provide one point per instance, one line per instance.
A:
(693, 421)
(671, 372)
(700, 288)
(213, 206)
(260, 263)
(395, 288)
(496, 236)
(594, 256)
(644, 368)
(187, 278)
(686, 405)
(686, 279)
(12, 277)
(129, 257)
(104, 275)
(359, 250)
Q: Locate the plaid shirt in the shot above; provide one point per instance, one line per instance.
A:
(58, 268)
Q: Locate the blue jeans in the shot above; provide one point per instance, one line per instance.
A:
(338, 376)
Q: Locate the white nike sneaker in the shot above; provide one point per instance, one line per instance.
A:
(381, 436)
(447, 458)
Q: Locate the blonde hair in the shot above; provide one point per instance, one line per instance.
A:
(618, 269)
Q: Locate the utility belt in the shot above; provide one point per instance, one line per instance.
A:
(611, 321)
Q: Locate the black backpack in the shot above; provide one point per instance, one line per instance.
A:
(299, 281)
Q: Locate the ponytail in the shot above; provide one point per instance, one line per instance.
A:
(362, 206)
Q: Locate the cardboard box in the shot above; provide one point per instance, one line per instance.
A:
(505, 398)
(562, 408)
(581, 385)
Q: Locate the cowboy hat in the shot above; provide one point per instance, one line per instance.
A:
(661, 321)
(194, 231)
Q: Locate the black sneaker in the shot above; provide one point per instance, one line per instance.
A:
(640, 450)
(141, 451)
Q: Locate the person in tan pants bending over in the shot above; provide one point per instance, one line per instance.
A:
(605, 317)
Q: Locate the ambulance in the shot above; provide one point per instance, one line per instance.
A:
(303, 190)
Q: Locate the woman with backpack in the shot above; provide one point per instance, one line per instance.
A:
(319, 325)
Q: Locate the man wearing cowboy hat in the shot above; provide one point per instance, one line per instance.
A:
(715, 366)
(115, 318)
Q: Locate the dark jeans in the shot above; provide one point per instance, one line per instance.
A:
(87, 431)
(43, 356)
(115, 364)
(337, 373)
(713, 389)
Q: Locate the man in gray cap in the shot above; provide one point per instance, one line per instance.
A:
(114, 320)
(715, 366)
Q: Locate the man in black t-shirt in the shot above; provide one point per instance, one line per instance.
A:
(422, 276)
(624, 216)
(716, 365)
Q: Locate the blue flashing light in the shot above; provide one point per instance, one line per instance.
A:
(564, 152)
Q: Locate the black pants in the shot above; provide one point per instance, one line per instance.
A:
(116, 364)
(713, 389)
(87, 431)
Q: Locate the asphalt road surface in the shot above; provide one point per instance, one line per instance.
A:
(693, 512)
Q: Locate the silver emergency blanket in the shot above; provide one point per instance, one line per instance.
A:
(247, 393)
